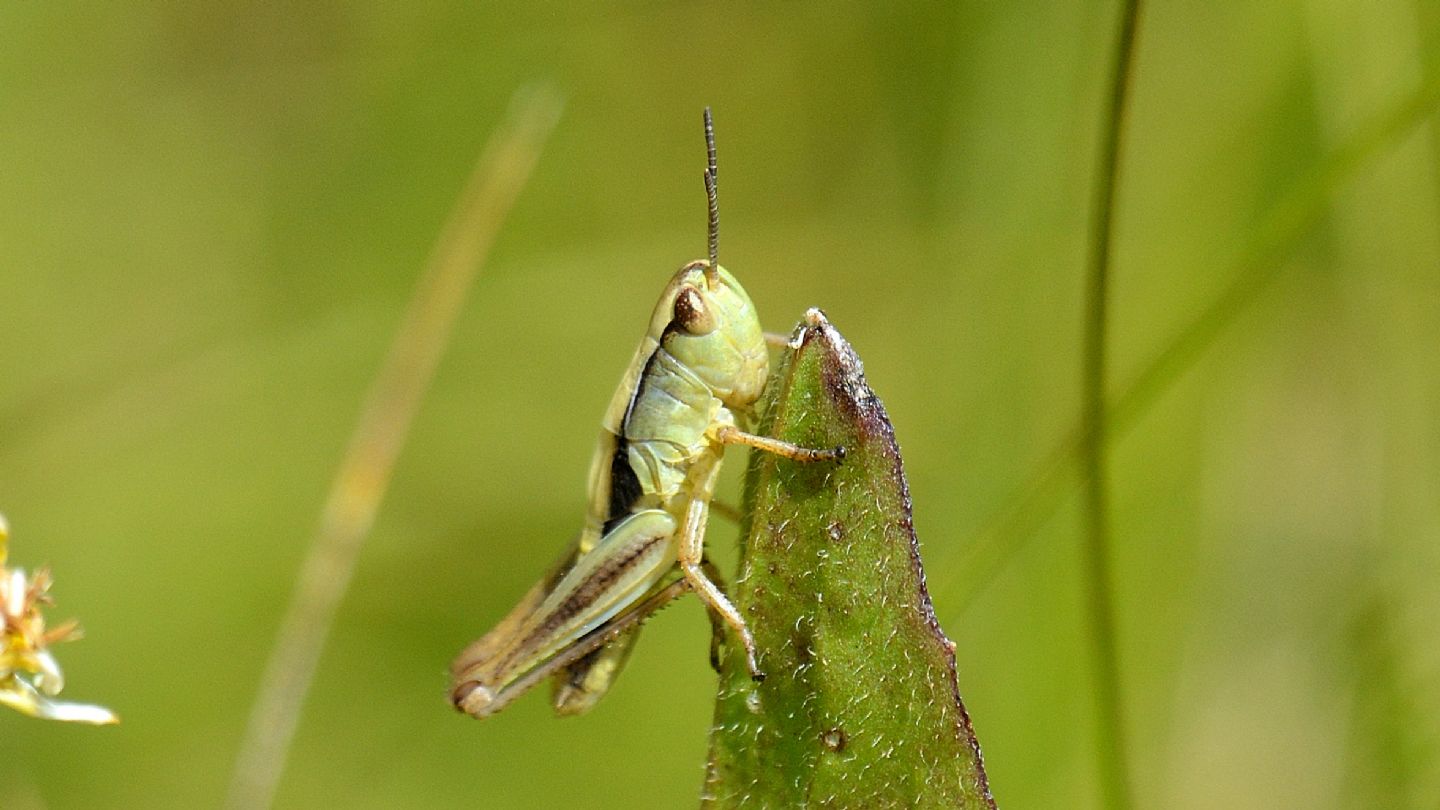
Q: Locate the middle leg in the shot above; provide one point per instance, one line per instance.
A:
(691, 556)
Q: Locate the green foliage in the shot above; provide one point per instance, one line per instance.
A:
(860, 706)
(214, 214)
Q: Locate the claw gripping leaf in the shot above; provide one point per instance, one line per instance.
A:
(860, 707)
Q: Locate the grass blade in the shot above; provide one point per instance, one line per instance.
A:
(1109, 727)
(1257, 269)
(502, 170)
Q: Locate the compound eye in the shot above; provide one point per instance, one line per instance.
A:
(691, 314)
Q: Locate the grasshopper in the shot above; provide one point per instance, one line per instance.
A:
(689, 392)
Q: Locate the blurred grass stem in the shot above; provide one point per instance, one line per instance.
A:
(501, 172)
(1110, 731)
(1259, 265)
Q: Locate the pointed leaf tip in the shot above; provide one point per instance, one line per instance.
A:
(860, 706)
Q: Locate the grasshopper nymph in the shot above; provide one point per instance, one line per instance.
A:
(689, 391)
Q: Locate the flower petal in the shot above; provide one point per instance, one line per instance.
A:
(24, 698)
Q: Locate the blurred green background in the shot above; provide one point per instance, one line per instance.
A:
(211, 216)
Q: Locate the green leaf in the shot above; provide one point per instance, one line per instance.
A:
(859, 707)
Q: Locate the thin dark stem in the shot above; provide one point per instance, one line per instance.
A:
(1259, 266)
(1110, 738)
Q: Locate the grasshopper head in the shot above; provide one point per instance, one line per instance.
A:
(712, 328)
(706, 321)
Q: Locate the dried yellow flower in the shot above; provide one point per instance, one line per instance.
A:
(29, 674)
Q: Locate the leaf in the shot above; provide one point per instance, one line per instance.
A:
(860, 706)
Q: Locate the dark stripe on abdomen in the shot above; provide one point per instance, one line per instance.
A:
(625, 487)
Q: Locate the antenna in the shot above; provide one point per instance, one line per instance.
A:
(712, 273)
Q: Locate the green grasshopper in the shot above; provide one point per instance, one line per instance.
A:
(689, 392)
